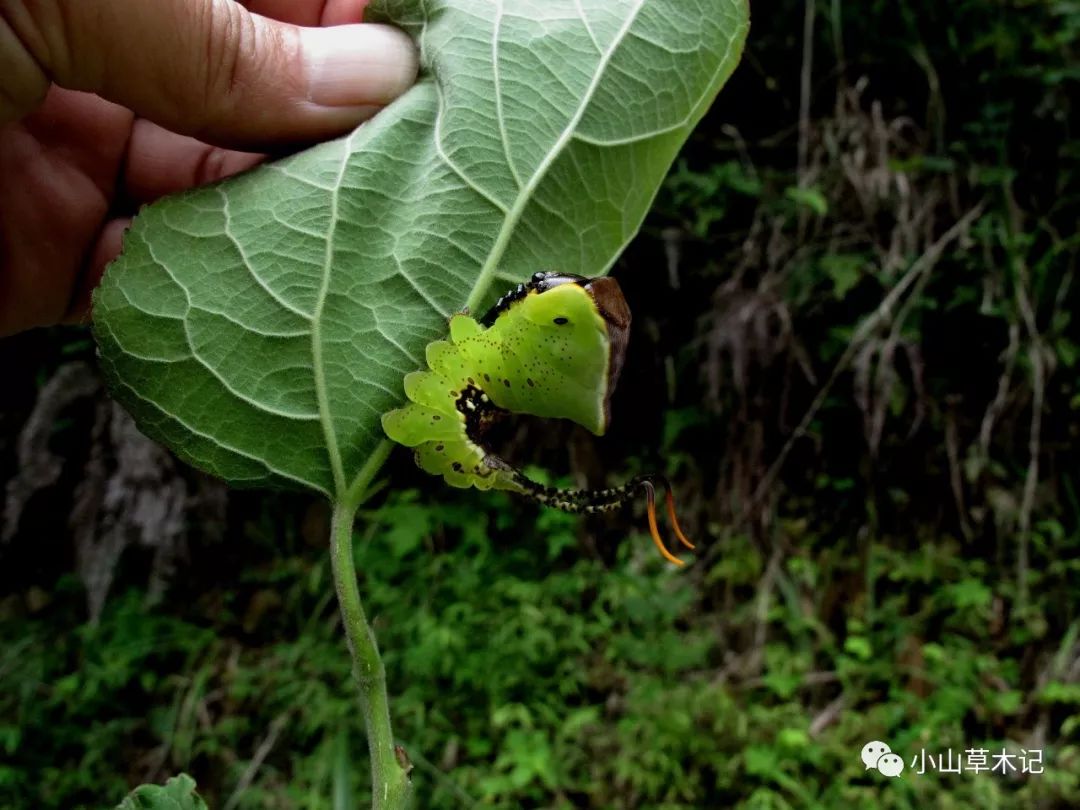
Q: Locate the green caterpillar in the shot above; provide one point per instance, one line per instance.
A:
(552, 347)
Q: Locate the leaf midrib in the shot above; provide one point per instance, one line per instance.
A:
(337, 468)
(510, 221)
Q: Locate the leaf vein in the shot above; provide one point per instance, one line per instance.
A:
(419, 289)
(318, 368)
(499, 116)
(440, 114)
(588, 28)
(694, 111)
(479, 289)
(270, 468)
(244, 260)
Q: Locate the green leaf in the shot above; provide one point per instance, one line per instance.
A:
(858, 647)
(844, 270)
(811, 198)
(260, 327)
(176, 794)
(1057, 692)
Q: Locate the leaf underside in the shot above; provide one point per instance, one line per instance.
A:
(260, 326)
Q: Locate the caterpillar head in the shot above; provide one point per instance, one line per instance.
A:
(585, 323)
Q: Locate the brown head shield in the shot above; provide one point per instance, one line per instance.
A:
(613, 308)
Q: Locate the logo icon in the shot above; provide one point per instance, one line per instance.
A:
(880, 757)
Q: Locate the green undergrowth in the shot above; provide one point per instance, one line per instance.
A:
(524, 673)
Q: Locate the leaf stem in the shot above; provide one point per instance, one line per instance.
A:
(390, 783)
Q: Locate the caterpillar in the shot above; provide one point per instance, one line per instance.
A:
(551, 347)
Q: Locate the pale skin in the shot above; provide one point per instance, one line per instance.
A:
(110, 104)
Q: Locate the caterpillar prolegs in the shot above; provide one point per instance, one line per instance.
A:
(552, 347)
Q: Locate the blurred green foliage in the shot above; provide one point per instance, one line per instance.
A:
(523, 675)
(177, 793)
(908, 574)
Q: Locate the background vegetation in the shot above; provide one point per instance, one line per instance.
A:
(854, 354)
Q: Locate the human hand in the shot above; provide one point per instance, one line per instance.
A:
(109, 104)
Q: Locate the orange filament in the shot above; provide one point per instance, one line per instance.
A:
(651, 496)
(675, 522)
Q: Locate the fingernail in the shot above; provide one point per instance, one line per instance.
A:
(357, 65)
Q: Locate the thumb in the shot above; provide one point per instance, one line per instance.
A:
(206, 68)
